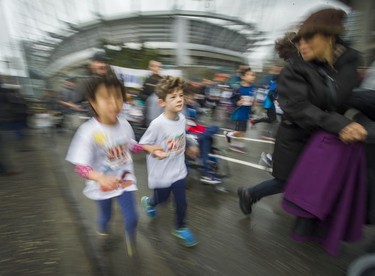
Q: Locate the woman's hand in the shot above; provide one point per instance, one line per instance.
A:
(353, 132)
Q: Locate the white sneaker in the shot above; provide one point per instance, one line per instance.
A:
(266, 159)
(228, 136)
(210, 180)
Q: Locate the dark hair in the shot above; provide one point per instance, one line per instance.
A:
(285, 47)
(100, 56)
(244, 71)
(168, 85)
(93, 82)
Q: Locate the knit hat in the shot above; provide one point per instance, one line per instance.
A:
(327, 21)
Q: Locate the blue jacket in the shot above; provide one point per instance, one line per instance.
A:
(241, 113)
(271, 95)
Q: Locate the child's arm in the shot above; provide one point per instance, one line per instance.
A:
(134, 147)
(106, 182)
(148, 141)
(155, 151)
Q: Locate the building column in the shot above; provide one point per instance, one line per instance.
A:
(180, 37)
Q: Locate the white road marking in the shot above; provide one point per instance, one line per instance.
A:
(250, 139)
(249, 164)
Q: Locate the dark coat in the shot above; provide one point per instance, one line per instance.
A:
(311, 101)
(149, 86)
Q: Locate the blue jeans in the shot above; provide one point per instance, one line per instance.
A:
(205, 145)
(266, 188)
(178, 189)
(128, 209)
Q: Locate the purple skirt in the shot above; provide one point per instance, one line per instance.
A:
(328, 186)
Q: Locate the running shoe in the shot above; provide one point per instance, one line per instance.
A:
(150, 210)
(186, 236)
(226, 134)
(210, 180)
(266, 159)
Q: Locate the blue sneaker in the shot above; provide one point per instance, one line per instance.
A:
(186, 236)
(150, 210)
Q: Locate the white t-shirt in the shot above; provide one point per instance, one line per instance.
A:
(170, 135)
(105, 149)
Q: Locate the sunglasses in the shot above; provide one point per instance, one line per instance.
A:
(305, 36)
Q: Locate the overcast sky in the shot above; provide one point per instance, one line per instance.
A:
(31, 19)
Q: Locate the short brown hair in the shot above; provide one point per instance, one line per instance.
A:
(168, 85)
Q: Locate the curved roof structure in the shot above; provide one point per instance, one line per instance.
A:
(182, 37)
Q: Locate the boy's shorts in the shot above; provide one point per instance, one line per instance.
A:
(241, 126)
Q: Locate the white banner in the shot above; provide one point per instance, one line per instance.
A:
(135, 77)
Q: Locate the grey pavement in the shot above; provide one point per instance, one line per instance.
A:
(230, 243)
(39, 234)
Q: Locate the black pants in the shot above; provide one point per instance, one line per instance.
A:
(271, 117)
(266, 188)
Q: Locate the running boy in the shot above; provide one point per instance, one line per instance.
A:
(100, 151)
(166, 169)
(243, 98)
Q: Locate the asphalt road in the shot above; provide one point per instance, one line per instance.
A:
(229, 242)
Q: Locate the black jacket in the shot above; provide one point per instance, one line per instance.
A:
(312, 96)
(149, 86)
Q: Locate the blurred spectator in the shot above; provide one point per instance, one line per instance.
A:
(70, 97)
(204, 136)
(153, 109)
(99, 64)
(13, 121)
(197, 87)
(148, 95)
(287, 51)
(243, 99)
(150, 83)
(235, 80)
(269, 102)
(70, 100)
(51, 100)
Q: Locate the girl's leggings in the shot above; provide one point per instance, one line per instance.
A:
(128, 210)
